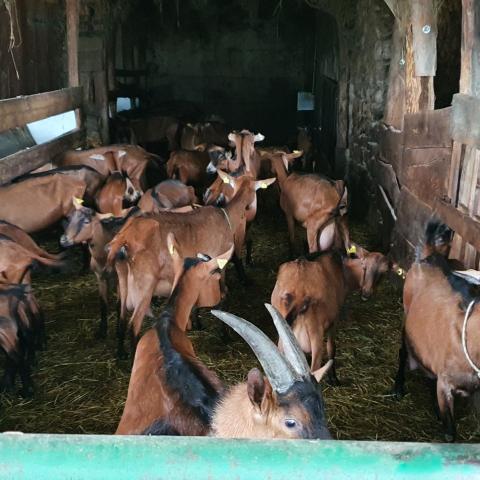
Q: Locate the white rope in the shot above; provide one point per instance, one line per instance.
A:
(464, 337)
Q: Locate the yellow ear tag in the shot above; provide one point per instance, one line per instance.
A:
(78, 201)
(352, 250)
(221, 263)
(263, 185)
(226, 180)
(171, 249)
(401, 272)
(297, 151)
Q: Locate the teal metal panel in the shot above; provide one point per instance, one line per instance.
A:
(72, 457)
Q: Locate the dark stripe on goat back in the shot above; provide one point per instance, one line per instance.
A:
(160, 427)
(182, 376)
(467, 290)
(53, 171)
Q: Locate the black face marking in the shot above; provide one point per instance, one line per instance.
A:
(305, 395)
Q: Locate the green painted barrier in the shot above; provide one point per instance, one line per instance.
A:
(72, 457)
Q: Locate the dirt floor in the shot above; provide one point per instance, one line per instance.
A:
(80, 387)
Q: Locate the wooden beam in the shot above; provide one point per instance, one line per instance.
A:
(470, 70)
(27, 160)
(419, 93)
(72, 7)
(466, 119)
(395, 104)
(17, 112)
(424, 30)
(461, 223)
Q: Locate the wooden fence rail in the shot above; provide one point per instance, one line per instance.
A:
(19, 111)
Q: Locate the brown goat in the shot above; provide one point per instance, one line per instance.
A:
(153, 393)
(285, 403)
(190, 166)
(167, 195)
(311, 295)
(37, 203)
(221, 192)
(132, 160)
(140, 254)
(118, 189)
(441, 312)
(16, 337)
(93, 179)
(317, 203)
(96, 230)
(245, 154)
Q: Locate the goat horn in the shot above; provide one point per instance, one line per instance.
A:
(278, 371)
(292, 351)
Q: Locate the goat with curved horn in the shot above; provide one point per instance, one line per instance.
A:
(292, 350)
(278, 370)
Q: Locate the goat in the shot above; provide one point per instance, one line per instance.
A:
(310, 294)
(139, 250)
(441, 330)
(118, 189)
(168, 382)
(318, 203)
(96, 230)
(167, 195)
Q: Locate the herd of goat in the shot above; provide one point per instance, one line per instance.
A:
(174, 238)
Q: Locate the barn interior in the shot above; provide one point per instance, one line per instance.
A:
(383, 87)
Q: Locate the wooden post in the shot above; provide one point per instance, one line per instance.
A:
(72, 41)
(470, 73)
(421, 57)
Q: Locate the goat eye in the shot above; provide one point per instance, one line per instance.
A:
(290, 423)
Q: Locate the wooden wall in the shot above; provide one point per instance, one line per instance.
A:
(40, 55)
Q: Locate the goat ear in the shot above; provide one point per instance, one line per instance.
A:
(77, 202)
(264, 183)
(226, 177)
(223, 259)
(201, 147)
(322, 371)
(256, 387)
(258, 137)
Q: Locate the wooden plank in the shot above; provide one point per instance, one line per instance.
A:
(17, 112)
(463, 224)
(27, 160)
(391, 148)
(425, 173)
(465, 125)
(429, 128)
(72, 41)
(470, 68)
(470, 256)
(468, 178)
(424, 29)
(454, 175)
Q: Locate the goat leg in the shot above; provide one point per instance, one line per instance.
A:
(103, 295)
(331, 351)
(399, 386)
(445, 406)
